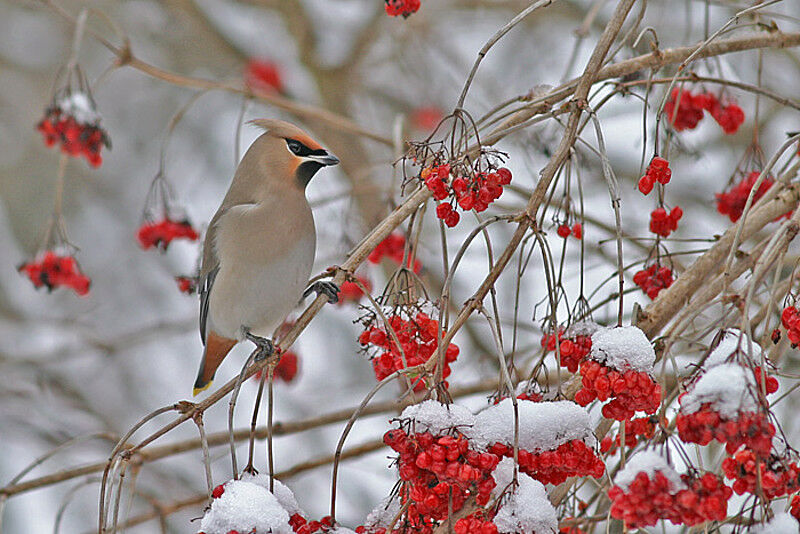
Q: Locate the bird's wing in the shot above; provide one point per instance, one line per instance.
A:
(205, 291)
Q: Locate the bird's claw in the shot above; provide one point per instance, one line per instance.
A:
(263, 345)
(324, 287)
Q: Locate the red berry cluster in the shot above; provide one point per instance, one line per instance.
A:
(418, 339)
(690, 109)
(300, 525)
(663, 223)
(657, 171)
(476, 191)
(263, 75)
(52, 270)
(778, 477)
(393, 247)
(790, 319)
(731, 202)
(571, 530)
(76, 138)
(750, 429)
(629, 391)
(653, 279)
(565, 231)
(350, 292)
(573, 349)
(439, 472)
(794, 509)
(573, 458)
(475, 523)
(641, 426)
(401, 7)
(160, 234)
(772, 383)
(648, 499)
(186, 284)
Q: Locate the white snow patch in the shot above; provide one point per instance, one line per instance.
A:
(728, 387)
(542, 425)
(281, 491)
(527, 510)
(780, 523)
(649, 462)
(582, 328)
(729, 344)
(245, 506)
(383, 514)
(437, 418)
(79, 106)
(338, 529)
(623, 348)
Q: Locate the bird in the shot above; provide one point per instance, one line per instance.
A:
(259, 247)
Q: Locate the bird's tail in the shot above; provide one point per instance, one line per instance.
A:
(217, 347)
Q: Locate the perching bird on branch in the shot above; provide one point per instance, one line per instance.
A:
(259, 247)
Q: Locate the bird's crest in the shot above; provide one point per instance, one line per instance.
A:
(285, 130)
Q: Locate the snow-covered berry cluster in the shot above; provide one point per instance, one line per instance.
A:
(684, 110)
(749, 429)
(161, 233)
(619, 368)
(732, 201)
(663, 223)
(52, 270)
(648, 489)
(469, 191)
(393, 247)
(657, 171)
(653, 279)
(418, 340)
(74, 123)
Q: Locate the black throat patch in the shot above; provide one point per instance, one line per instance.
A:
(306, 171)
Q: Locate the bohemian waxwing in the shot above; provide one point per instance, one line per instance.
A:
(259, 247)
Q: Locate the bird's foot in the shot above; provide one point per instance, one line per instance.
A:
(263, 345)
(324, 287)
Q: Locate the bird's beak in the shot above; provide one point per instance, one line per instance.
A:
(325, 160)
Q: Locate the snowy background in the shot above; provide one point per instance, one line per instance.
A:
(76, 366)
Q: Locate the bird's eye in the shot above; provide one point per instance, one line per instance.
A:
(294, 146)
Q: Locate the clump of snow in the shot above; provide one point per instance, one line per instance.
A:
(582, 328)
(649, 462)
(542, 425)
(779, 524)
(527, 510)
(728, 387)
(623, 348)
(280, 490)
(727, 347)
(79, 106)
(437, 418)
(383, 514)
(246, 507)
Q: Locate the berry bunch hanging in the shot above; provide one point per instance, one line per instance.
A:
(418, 337)
(53, 270)
(573, 348)
(657, 171)
(565, 231)
(468, 188)
(73, 122)
(404, 8)
(732, 201)
(653, 279)
(644, 427)
(790, 319)
(684, 110)
(776, 475)
(161, 233)
(663, 223)
(749, 429)
(351, 292)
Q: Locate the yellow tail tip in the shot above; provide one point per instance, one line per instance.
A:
(197, 390)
